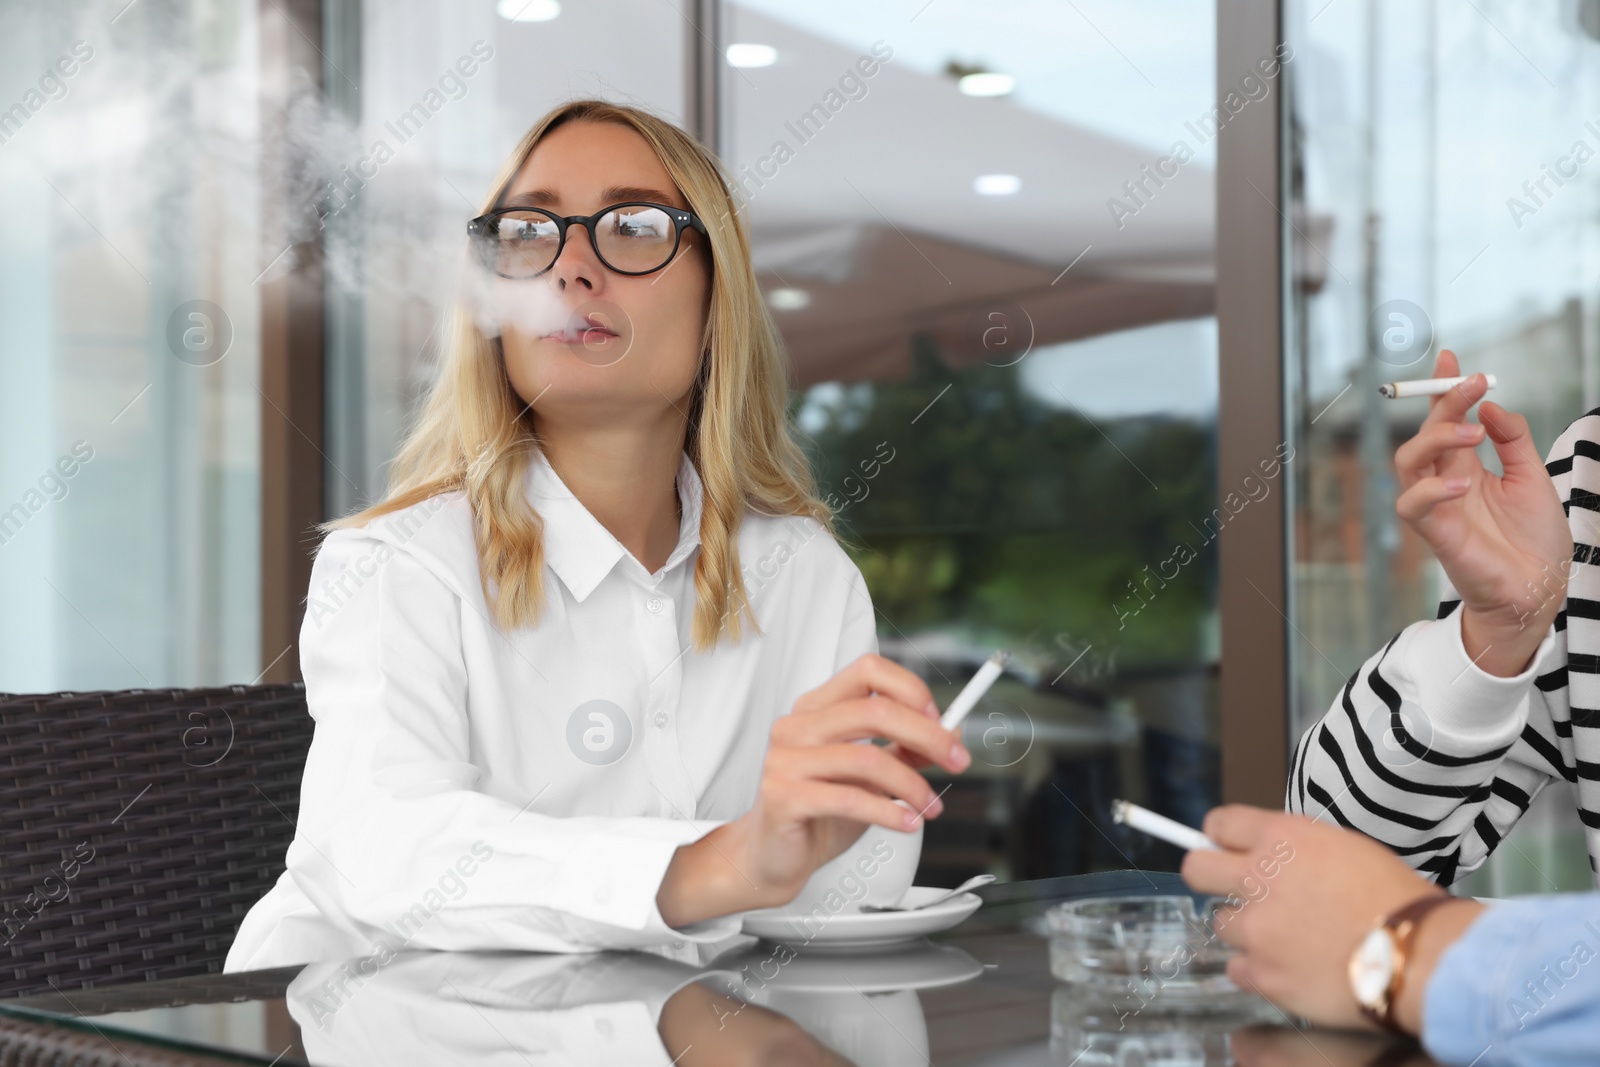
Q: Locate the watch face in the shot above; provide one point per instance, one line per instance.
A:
(1371, 968)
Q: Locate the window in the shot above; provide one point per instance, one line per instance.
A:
(985, 233)
(130, 244)
(1426, 137)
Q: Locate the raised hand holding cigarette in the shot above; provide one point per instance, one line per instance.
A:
(1503, 540)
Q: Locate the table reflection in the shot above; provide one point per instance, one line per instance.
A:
(759, 1003)
(982, 994)
(1278, 1046)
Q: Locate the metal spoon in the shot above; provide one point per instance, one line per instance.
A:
(971, 883)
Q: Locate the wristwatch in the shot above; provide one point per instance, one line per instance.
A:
(1378, 965)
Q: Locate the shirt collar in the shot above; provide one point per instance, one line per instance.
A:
(582, 551)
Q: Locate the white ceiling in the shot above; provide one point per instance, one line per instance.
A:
(906, 154)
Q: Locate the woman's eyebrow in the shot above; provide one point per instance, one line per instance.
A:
(619, 193)
(616, 194)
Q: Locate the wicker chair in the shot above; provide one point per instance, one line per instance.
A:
(138, 827)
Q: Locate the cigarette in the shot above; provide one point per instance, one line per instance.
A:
(1424, 387)
(973, 691)
(1168, 830)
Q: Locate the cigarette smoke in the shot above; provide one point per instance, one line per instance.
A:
(529, 306)
(533, 308)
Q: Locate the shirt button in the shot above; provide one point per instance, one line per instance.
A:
(655, 603)
(661, 718)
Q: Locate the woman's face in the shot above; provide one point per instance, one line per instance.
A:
(645, 366)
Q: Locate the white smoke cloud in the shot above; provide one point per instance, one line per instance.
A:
(530, 306)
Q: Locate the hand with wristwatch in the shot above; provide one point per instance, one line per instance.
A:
(1331, 925)
(1380, 963)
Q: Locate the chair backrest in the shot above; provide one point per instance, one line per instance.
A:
(138, 827)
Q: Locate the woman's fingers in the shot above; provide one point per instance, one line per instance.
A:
(874, 717)
(866, 675)
(1453, 404)
(866, 766)
(1435, 447)
(1513, 442)
(821, 800)
(1444, 366)
(1214, 871)
(1237, 826)
(1416, 504)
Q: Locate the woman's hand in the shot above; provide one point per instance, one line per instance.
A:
(703, 1027)
(819, 791)
(1504, 541)
(1310, 892)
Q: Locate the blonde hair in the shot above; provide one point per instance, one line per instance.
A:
(476, 435)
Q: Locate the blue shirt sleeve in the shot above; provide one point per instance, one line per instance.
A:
(1520, 986)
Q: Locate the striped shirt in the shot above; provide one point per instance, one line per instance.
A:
(1434, 757)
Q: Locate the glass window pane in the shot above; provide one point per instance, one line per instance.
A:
(1426, 138)
(130, 247)
(999, 311)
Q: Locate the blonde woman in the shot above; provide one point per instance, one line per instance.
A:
(551, 714)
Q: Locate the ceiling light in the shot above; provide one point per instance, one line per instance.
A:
(789, 299)
(527, 10)
(751, 55)
(987, 83)
(996, 184)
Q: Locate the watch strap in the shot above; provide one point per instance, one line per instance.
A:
(1402, 924)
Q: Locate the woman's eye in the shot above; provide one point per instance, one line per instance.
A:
(648, 224)
(516, 230)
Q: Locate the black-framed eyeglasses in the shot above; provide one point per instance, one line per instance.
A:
(632, 238)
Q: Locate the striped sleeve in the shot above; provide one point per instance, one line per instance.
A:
(1434, 757)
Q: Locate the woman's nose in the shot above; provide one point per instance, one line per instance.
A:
(577, 264)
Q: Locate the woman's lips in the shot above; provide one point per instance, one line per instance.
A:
(592, 332)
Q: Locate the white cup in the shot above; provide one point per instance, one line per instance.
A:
(877, 870)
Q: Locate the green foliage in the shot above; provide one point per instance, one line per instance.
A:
(1004, 515)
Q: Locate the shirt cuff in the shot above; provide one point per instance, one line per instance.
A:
(1469, 708)
(615, 879)
(1518, 985)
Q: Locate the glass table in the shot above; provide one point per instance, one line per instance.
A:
(981, 993)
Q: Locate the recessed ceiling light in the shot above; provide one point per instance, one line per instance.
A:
(788, 299)
(751, 55)
(527, 10)
(996, 184)
(987, 83)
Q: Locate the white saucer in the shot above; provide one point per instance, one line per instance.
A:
(851, 929)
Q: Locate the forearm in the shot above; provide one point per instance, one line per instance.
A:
(462, 870)
(1440, 929)
(1418, 784)
(705, 880)
(1505, 647)
(1518, 985)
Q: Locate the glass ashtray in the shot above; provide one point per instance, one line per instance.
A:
(1156, 952)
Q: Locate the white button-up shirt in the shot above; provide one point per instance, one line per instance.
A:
(493, 1009)
(469, 788)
